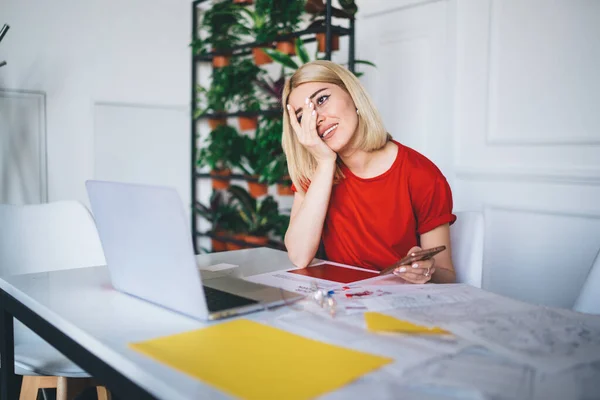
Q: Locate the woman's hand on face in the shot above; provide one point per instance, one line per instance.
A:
(417, 272)
(306, 131)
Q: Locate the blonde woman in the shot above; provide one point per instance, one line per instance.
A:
(370, 199)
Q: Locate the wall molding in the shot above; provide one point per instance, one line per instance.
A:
(492, 138)
(490, 207)
(569, 177)
(40, 98)
(178, 107)
(382, 7)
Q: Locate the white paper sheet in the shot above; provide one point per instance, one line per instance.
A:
(582, 382)
(477, 369)
(541, 337)
(549, 340)
(351, 333)
(291, 282)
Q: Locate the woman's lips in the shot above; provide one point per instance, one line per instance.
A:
(329, 132)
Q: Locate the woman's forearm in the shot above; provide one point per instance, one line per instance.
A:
(304, 233)
(443, 275)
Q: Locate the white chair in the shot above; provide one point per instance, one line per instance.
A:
(47, 237)
(466, 236)
(589, 298)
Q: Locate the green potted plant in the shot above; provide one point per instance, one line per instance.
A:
(277, 172)
(285, 16)
(221, 22)
(219, 97)
(222, 215)
(288, 62)
(258, 26)
(245, 74)
(259, 153)
(221, 152)
(280, 227)
(273, 90)
(260, 217)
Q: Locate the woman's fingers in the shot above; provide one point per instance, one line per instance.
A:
(309, 118)
(417, 266)
(415, 276)
(417, 272)
(414, 249)
(306, 132)
(293, 120)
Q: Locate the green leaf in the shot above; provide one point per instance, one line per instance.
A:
(281, 58)
(365, 62)
(301, 51)
(247, 202)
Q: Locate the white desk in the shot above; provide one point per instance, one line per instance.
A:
(79, 313)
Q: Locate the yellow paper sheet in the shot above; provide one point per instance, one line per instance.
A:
(255, 361)
(377, 322)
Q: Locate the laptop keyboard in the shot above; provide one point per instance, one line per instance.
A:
(218, 300)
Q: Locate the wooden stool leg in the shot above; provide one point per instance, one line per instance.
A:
(31, 385)
(103, 393)
(68, 388)
(29, 388)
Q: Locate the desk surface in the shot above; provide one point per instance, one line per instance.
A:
(83, 305)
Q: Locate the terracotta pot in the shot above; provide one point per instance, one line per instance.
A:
(335, 42)
(257, 189)
(244, 2)
(258, 240)
(284, 190)
(247, 123)
(235, 246)
(218, 245)
(220, 184)
(220, 61)
(260, 57)
(213, 123)
(287, 47)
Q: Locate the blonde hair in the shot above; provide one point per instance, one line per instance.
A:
(370, 135)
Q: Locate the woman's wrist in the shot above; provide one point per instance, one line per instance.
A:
(327, 165)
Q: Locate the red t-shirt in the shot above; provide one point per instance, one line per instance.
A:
(374, 222)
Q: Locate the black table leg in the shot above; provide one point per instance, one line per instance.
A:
(8, 379)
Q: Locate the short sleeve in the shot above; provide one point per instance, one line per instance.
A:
(295, 189)
(432, 204)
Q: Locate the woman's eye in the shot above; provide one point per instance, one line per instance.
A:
(322, 99)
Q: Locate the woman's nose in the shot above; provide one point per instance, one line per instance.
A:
(320, 119)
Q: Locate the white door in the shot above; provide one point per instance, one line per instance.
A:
(505, 97)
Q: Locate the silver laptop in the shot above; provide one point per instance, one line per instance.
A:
(148, 248)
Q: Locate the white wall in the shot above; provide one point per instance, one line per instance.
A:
(504, 95)
(105, 72)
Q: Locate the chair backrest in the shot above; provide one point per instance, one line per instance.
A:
(47, 237)
(589, 297)
(466, 236)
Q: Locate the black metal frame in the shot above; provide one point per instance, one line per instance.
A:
(11, 308)
(245, 49)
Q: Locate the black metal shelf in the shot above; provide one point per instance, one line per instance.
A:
(274, 112)
(237, 177)
(246, 48)
(308, 35)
